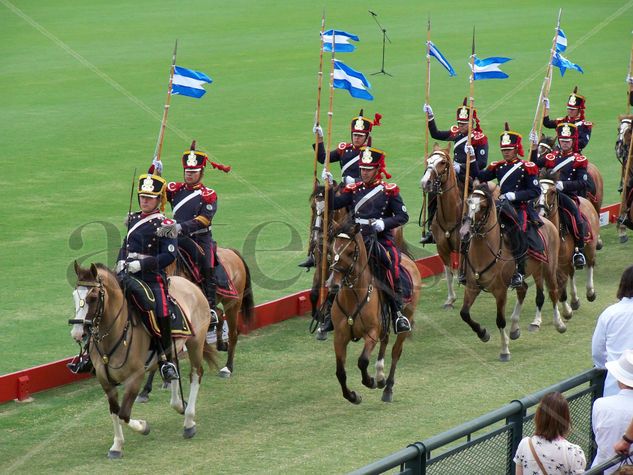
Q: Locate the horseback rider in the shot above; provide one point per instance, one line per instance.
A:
(477, 151)
(194, 206)
(377, 208)
(575, 115)
(572, 183)
(518, 183)
(347, 154)
(144, 256)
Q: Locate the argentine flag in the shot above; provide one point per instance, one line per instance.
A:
(341, 38)
(488, 68)
(433, 51)
(187, 82)
(564, 64)
(346, 78)
(561, 41)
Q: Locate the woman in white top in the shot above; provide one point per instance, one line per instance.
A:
(548, 452)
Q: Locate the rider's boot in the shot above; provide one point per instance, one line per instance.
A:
(327, 325)
(516, 280)
(401, 323)
(209, 286)
(166, 366)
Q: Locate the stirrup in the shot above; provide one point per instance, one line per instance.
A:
(402, 324)
(82, 365)
(168, 371)
(214, 320)
(427, 238)
(327, 325)
(579, 260)
(461, 278)
(516, 280)
(309, 262)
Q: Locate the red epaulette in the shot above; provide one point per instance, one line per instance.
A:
(494, 165)
(351, 187)
(454, 129)
(343, 145)
(587, 123)
(174, 186)
(530, 168)
(550, 160)
(580, 161)
(391, 189)
(208, 195)
(479, 138)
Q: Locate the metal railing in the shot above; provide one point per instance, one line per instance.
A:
(488, 444)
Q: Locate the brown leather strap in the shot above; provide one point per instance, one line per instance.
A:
(538, 460)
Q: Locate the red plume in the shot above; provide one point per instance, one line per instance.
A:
(507, 127)
(193, 145)
(465, 101)
(377, 118)
(219, 166)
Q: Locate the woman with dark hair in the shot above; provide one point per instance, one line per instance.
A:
(614, 330)
(547, 451)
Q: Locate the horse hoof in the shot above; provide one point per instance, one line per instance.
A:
(142, 398)
(591, 296)
(575, 304)
(504, 357)
(485, 337)
(623, 239)
(371, 384)
(599, 244)
(448, 306)
(146, 430)
(514, 335)
(115, 454)
(225, 373)
(567, 316)
(188, 433)
(387, 396)
(561, 328)
(381, 384)
(320, 335)
(532, 328)
(356, 398)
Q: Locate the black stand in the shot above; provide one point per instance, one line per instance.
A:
(385, 38)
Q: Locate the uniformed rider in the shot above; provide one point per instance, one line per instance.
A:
(575, 115)
(518, 183)
(458, 134)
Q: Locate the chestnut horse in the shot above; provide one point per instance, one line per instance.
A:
(490, 265)
(548, 207)
(622, 146)
(119, 345)
(359, 311)
(439, 178)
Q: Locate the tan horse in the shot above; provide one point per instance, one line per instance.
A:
(622, 145)
(490, 265)
(439, 178)
(548, 207)
(359, 311)
(119, 345)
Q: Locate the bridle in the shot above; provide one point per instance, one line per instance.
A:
(440, 178)
(549, 208)
(622, 145)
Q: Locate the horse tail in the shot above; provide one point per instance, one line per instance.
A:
(248, 304)
(209, 354)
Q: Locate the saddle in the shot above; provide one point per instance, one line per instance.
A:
(224, 284)
(537, 245)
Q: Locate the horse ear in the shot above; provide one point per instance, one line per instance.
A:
(436, 146)
(77, 267)
(93, 271)
(448, 149)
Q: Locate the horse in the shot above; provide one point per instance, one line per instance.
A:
(439, 178)
(622, 145)
(119, 345)
(358, 311)
(548, 207)
(490, 264)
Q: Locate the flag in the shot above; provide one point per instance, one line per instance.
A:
(346, 78)
(488, 68)
(433, 51)
(561, 41)
(187, 82)
(564, 64)
(341, 38)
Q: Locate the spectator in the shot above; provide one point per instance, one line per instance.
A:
(614, 330)
(610, 415)
(548, 451)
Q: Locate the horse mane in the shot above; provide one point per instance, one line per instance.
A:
(548, 140)
(347, 227)
(548, 174)
(485, 189)
(318, 189)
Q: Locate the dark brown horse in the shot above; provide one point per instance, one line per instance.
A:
(119, 345)
(490, 265)
(622, 145)
(548, 207)
(358, 311)
(439, 178)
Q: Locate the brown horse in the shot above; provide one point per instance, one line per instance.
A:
(439, 178)
(548, 207)
(622, 146)
(359, 311)
(119, 345)
(490, 265)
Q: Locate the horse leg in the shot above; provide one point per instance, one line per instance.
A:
(450, 299)
(622, 234)
(515, 329)
(340, 350)
(469, 297)
(132, 387)
(363, 360)
(501, 297)
(575, 301)
(231, 319)
(143, 396)
(116, 451)
(563, 278)
(194, 350)
(396, 351)
(591, 291)
(380, 362)
(552, 287)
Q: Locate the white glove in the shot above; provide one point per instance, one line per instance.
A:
(469, 150)
(510, 196)
(560, 185)
(629, 80)
(179, 228)
(427, 108)
(317, 130)
(158, 167)
(546, 102)
(533, 138)
(457, 167)
(349, 180)
(119, 267)
(134, 267)
(326, 175)
(379, 225)
(320, 207)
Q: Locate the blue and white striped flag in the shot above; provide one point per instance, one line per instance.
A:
(354, 81)
(488, 68)
(187, 82)
(433, 51)
(561, 41)
(342, 39)
(564, 64)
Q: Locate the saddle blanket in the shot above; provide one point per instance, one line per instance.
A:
(537, 245)
(180, 325)
(224, 284)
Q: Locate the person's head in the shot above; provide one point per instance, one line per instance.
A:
(463, 116)
(193, 163)
(361, 128)
(575, 105)
(552, 419)
(151, 192)
(567, 135)
(372, 165)
(626, 283)
(622, 369)
(510, 144)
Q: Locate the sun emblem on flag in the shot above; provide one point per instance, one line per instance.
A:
(192, 160)
(463, 113)
(359, 124)
(148, 184)
(505, 139)
(572, 100)
(366, 158)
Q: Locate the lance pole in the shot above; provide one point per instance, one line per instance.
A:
(547, 85)
(630, 86)
(163, 123)
(317, 114)
(427, 98)
(471, 101)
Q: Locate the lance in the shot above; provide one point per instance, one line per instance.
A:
(317, 114)
(129, 211)
(427, 98)
(471, 101)
(163, 123)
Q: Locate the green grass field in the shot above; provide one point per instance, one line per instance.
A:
(83, 89)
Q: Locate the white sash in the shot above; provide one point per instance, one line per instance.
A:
(512, 170)
(349, 164)
(367, 197)
(563, 163)
(460, 141)
(192, 195)
(143, 221)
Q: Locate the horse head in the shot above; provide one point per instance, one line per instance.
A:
(439, 169)
(546, 145)
(88, 297)
(344, 255)
(624, 137)
(479, 205)
(547, 200)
